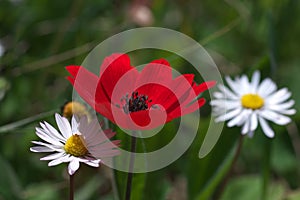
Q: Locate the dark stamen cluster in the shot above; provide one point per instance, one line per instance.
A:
(135, 102)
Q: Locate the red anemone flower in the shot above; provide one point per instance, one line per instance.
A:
(138, 100)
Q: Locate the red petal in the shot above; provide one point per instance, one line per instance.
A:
(140, 120)
(194, 106)
(204, 86)
(73, 69)
(111, 70)
(148, 119)
(158, 71)
(71, 79)
(125, 85)
(183, 110)
(104, 108)
(84, 83)
(159, 94)
(197, 91)
(161, 61)
(182, 89)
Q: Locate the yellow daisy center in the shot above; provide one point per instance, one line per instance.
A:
(75, 146)
(252, 101)
(74, 108)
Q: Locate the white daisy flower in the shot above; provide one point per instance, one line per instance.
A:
(77, 142)
(249, 103)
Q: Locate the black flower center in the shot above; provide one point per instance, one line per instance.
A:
(135, 102)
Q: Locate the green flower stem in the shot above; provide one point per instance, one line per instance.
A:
(268, 143)
(266, 168)
(71, 195)
(131, 166)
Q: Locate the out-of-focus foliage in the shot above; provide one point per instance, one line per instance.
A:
(39, 37)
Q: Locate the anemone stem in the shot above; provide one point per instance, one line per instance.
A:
(131, 166)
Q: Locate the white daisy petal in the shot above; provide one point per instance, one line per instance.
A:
(245, 84)
(287, 112)
(279, 96)
(253, 122)
(48, 138)
(240, 119)
(249, 103)
(266, 87)
(218, 95)
(96, 140)
(74, 125)
(246, 127)
(245, 116)
(254, 82)
(104, 146)
(92, 163)
(105, 154)
(217, 111)
(55, 162)
(53, 156)
(68, 158)
(92, 130)
(51, 146)
(72, 146)
(226, 104)
(234, 121)
(235, 87)
(41, 149)
(73, 166)
(275, 117)
(51, 130)
(266, 128)
(227, 92)
(229, 115)
(63, 125)
(282, 106)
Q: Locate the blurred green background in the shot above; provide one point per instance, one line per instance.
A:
(38, 38)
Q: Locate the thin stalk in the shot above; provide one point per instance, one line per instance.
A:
(230, 171)
(268, 143)
(131, 166)
(266, 168)
(14, 125)
(71, 195)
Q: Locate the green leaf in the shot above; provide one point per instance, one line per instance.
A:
(88, 189)
(43, 191)
(218, 176)
(156, 186)
(138, 183)
(10, 186)
(137, 188)
(204, 175)
(249, 188)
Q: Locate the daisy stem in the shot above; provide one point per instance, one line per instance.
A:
(71, 195)
(266, 168)
(131, 166)
(230, 171)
